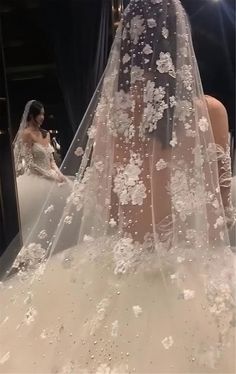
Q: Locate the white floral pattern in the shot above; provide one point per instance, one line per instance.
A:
(187, 194)
(183, 110)
(128, 185)
(77, 196)
(147, 50)
(121, 119)
(165, 64)
(186, 76)
(30, 256)
(79, 151)
(167, 342)
(137, 310)
(136, 74)
(161, 164)
(151, 23)
(154, 109)
(136, 28)
(165, 32)
(203, 124)
(126, 58)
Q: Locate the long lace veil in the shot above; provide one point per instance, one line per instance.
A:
(21, 151)
(147, 193)
(149, 103)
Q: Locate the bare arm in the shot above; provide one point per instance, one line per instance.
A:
(220, 127)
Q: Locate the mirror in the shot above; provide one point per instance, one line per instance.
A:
(54, 57)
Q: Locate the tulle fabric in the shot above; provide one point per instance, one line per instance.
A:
(132, 272)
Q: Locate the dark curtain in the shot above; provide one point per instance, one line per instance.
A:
(9, 220)
(79, 32)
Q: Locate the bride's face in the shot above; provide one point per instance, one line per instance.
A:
(40, 117)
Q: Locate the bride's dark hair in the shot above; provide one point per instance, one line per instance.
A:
(34, 111)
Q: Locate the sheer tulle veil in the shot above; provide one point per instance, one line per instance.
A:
(137, 255)
(20, 151)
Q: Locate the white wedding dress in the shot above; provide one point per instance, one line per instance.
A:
(134, 273)
(35, 185)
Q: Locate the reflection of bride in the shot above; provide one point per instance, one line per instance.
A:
(35, 165)
(146, 283)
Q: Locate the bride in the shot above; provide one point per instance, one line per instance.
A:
(146, 281)
(35, 166)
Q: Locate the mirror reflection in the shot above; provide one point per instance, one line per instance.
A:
(35, 165)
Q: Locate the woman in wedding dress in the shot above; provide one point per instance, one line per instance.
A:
(36, 169)
(146, 281)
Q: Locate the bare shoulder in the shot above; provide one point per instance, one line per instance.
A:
(216, 109)
(27, 136)
(219, 120)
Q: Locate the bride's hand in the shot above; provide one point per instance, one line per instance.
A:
(62, 179)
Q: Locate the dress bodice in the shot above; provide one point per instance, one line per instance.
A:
(41, 157)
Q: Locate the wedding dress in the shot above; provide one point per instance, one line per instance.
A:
(37, 173)
(134, 273)
(32, 187)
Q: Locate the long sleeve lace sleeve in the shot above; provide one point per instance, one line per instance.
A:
(56, 169)
(48, 174)
(225, 179)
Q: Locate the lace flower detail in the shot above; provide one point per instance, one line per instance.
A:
(147, 50)
(137, 310)
(187, 194)
(79, 152)
(49, 209)
(5, 358)
(165, 64)
(114, 329)
(126, 58)
(154, 109)
(92, 132)
(99, 166)
(172, 101)
(167, 342)
(120, 120)
(112, 223)
(128, 186)
(203, 124)
(105, 369)
(188, 294)
(165, 32)
(136, 74)
(183, 110)
(68, 220)
(161, 164)
(30, 256)
(151, 23)
(125, 255)
(101, 310)
(77, 196)
(136, 28)
(185, 74)
(219, 222)
(30, 316)
(174, 141)
(42, 235)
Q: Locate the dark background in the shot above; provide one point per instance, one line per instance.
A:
(55, 52)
